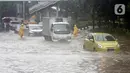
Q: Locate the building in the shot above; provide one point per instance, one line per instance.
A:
(19, 9)
(22, 9)
(46, 9)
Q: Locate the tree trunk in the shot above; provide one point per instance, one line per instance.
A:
(93, 19)
(99, 24)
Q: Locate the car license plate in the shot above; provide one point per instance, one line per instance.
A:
(110, 49)
(62, 37)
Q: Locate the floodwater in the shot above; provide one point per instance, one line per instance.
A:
(35, 55)
(116, 62)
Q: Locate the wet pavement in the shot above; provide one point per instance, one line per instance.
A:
(35, 55)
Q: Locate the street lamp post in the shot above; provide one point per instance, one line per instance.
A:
(57, 12)
(23, 10)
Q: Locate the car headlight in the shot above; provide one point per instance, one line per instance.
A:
(31, 31)
(118, 45)
(99, 46)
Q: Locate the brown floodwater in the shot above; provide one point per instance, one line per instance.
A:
(117, 63)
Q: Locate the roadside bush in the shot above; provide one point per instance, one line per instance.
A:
(118, 31)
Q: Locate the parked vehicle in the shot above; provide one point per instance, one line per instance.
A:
(35, 29)
(1, 27)
(14, 25)
(101, 42)
(56, 29)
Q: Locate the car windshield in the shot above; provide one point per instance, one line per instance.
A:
(61, 28)
(104, 37)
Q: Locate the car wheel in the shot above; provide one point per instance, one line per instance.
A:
(28, 34)
(94, 49)
(48, 38)
(69, 40)
(45, 38)
(53, 40)
(83, 46)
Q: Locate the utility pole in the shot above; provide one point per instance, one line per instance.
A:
(23, 10)
(57, 10)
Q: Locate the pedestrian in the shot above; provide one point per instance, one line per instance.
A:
(21, 30)
(76, 30)
(6, 27)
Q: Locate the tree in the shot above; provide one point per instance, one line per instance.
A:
(97, 10)
(7, 9)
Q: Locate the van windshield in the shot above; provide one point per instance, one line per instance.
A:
(61, 28)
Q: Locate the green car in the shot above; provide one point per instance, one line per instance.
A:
(101, 42)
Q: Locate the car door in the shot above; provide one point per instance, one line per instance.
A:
(86, 42)
(89, 42)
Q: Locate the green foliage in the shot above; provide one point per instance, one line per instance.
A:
(128, 6)
(5, 6)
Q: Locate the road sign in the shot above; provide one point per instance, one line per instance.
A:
(119, 9)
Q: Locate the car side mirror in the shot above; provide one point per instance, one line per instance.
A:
(86, 39)
(91, 40)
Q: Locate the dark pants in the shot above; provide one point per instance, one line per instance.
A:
(7, 27)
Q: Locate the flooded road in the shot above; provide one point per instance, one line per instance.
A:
(118, 63)
(35, 55)
(125, 43)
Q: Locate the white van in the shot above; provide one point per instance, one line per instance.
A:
(35, 29)
(15, 25)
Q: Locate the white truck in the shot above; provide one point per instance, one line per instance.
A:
(55, 29)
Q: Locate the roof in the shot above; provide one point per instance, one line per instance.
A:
(41, 5)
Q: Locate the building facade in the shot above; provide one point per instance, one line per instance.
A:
(46, 9)
(22, 9)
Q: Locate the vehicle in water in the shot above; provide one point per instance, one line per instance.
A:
(15, 25)
(101, 42)
(35, 29)
(56, 29)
